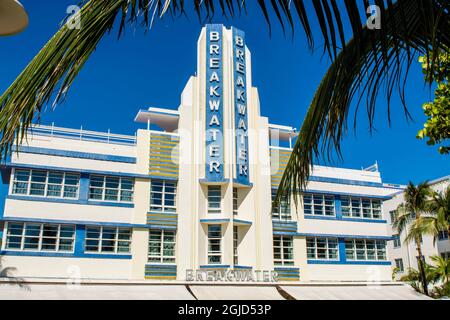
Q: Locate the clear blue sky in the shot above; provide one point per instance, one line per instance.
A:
(151, 69)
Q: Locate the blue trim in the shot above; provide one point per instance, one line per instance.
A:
(74, 222)
(342, 251)
(331, 262)
(242, 222)
(75, 154)
(238, 184)
(286, 268)
(243, 267)
(337, 193)
(87, 171)
(153, 177)
(74, 201)
(346, 181)
(160, 227)
(285, 233)
(64, 255)
(344, 236)
(309, 217)
(338, 206)
(80, 237)
(215, 266)
(212, 221)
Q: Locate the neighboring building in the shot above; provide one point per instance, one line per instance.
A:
(161, 203)
(404, 256)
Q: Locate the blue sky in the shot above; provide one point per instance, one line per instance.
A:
(150, 69)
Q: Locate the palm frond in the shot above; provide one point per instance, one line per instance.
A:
(372, 60)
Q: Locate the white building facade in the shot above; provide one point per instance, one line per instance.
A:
(405, 256)
(192, 197)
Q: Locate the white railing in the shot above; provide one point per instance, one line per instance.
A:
(81, 134)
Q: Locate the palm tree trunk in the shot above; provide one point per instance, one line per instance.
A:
(422, 268)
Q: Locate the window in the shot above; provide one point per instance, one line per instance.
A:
(283, 210)
(318, 205)
(361, 208)
(443, 235)
(399, 265)
(322, 248)
(108, 240)
(114, 189)
(397, 241)
(162, 196)
(161, 246)
(214, 199)
(39, 237)
(235, 244)
(45, 184)
(365, 250)
(393, 215)
(445, 255)
(214, 244)
(235, 201)
(283, 251)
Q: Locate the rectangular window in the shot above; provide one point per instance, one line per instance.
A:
(162, 196)
(365, 250)
(214, 244)
(283, 210)
(361, 208)
(214, 199)
(445, 255)
(443, 235)
(235, 201)
(399, 265)
(112, 189)
(39, 237)
(397, 241)
(392, 215)
(46, 184)
(235, 244)
(322, 248)
(108, 240)
(283, 251)
(161, 246)
(318, 205)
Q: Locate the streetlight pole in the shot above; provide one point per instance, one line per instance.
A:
(13, 17)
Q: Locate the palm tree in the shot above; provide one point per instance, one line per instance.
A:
(441, 268)
(371, 60)
(436, 218)
(416, 202)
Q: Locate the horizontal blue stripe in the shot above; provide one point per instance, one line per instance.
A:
(161, 227)
(162, 213)
(286, 269)
(214, 220)
(75, 222)
(346, 236)
(243, 267)
(286, 233)
(72, 201)
(338, 193)
(161, 265)
(311, 217)
(236, 183)
(155, 177)
(64, 255)
(215, 266)
(75, 154)
(174, 274)
(242, 222)
(77, 170)
(377, 263)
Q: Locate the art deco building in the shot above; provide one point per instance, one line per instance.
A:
(190, 192)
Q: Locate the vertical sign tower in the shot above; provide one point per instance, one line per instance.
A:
(214, 104)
